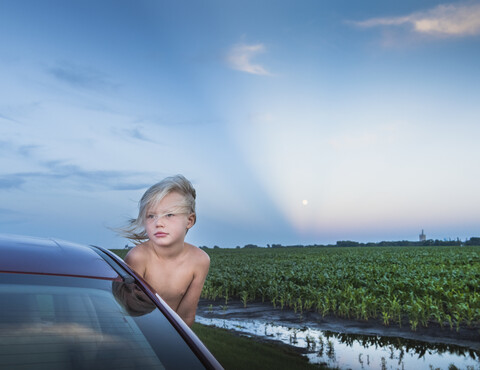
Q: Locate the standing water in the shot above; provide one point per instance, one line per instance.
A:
(356, 351)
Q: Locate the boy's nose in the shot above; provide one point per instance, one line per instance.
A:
(160, 221)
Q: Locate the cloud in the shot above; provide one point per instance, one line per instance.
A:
(27, 150)
(7, 118)
(10, 217)
(4, 211)
(137, 133)
(114, 180)
(240, 56)
(10, 182)
(79, 178)
(443, 20)
(81, 76)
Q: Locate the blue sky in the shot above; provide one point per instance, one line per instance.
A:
(298, 122)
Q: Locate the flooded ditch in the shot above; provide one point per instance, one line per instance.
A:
(347, 344)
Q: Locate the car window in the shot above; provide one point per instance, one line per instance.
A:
(58, 322)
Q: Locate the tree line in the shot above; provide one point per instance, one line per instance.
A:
(349, 243)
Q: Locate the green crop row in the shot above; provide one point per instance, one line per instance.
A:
(402, 285)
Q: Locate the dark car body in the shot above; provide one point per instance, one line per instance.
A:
(70, 306)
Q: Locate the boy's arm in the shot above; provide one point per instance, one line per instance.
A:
(188, 305)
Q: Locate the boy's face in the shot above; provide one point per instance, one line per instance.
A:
(167, 223)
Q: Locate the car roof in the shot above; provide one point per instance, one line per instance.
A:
(24, 254)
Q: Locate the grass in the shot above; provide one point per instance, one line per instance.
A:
(238, 352)
(120, 252)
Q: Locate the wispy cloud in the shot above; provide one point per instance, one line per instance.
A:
(138, 134)
(86, 180)
(7, 118)
(443, 20)
(25, 151)
(81, 76)
(10, 216)
(240, 58)
(11, 182)
(114, 180)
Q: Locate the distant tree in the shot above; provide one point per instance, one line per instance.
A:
(250, 246)
(428, 242)
(473, 241)
(296, 246)
(347, 243)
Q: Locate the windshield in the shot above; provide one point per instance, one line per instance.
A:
(58, 322)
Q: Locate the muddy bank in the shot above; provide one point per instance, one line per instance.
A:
(434, 333)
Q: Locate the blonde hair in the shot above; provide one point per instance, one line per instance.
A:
(135, 230)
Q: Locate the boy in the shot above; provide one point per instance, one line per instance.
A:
(175, 269)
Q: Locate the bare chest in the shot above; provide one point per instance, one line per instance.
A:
(170, 282)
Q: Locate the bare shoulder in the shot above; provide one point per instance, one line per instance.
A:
(200, 257)
(137, 256)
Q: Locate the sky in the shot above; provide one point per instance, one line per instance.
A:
(298, 122)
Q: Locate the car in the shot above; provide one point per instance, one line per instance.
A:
(70, 306)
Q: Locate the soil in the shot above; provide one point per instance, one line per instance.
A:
(434, 333)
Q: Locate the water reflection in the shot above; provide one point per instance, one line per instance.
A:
(356, 351)
(401, 344)
(132, 298)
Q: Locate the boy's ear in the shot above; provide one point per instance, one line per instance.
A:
(192, 217)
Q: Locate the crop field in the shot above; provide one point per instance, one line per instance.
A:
(414, 286)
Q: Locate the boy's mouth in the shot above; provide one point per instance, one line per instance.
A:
(160, 234)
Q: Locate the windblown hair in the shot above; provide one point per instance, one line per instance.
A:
(135, 230)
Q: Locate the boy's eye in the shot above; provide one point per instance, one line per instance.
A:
(170, 215)
(150, 217)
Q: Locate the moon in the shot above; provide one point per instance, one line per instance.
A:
(304, 202)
